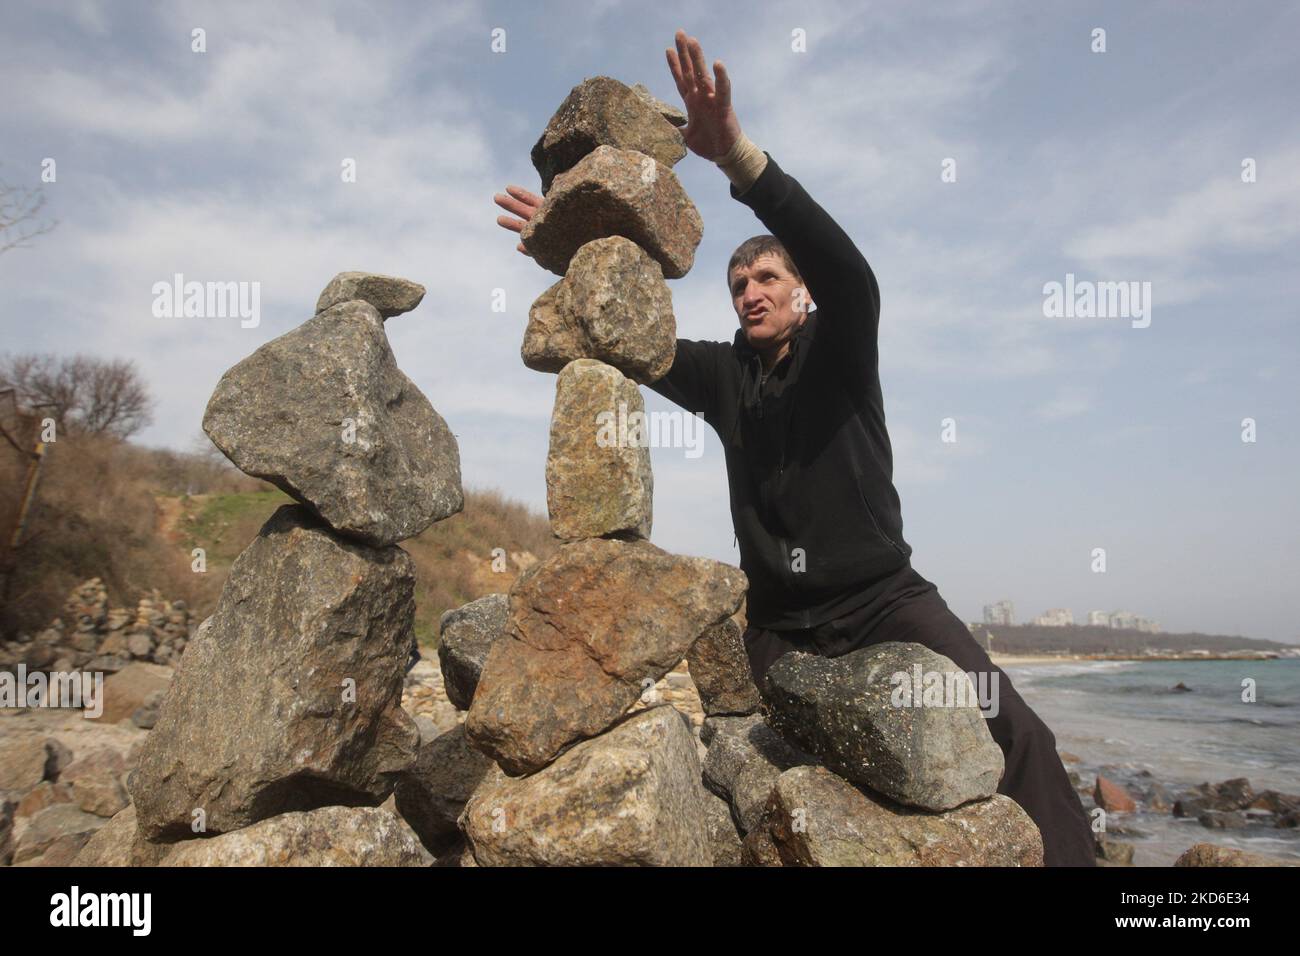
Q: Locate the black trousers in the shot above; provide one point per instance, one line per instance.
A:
(910, 609)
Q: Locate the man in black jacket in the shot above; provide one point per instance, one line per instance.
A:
(796, 400)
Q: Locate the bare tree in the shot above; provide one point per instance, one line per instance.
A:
(21, 209)
(103, 396)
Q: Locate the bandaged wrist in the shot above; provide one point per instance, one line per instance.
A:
(743, 163)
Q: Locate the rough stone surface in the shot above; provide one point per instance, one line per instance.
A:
(23, 762)
(602, 111)
(612, 305)
(288, 697)
(591, 628)
(725, 847)
(744, 760)
(814, 818)
(669, 112)
(118, 843)
(96, 782)
(431, 795)
(1208, 854)
(329, 836)
(1109, 795)
(388, 294)
(615, 192)
(845, 711)
(721, 671)
(52, 824)
(598, 477)
(324, 413)
(630, 797)
(466, 635)
(130, 689)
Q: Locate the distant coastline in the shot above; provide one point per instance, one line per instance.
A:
(1074, 642)
(1019, 658)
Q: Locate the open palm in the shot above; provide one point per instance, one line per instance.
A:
(711, 126)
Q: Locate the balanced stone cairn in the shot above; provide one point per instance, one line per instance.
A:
(551, 670)
(282, 731)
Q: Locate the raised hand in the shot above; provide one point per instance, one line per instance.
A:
(520, 202)
(711, 126)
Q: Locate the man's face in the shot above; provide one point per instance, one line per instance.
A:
(763, 294)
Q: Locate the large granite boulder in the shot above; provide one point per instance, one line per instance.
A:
(466, 634)
(591, 629)
(601, 111)
(289, 696)
(630, 797)
(598, 477)
(720, 669)
(431, 795)
(814, 818)
(858, 714)
(329, 836)
(388, 294)
(324, 413)
(615, 192)
(612, 305)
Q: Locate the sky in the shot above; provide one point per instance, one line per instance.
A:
(1072, 433)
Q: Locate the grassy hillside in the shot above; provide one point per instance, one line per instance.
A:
(132, 515)
(453, 558)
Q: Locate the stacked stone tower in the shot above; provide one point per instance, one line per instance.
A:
(288, 699)
(577, 779)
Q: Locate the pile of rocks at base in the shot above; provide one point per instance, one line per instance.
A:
(830, 766)
(90, 635)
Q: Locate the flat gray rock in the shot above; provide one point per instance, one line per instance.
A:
(388, 294)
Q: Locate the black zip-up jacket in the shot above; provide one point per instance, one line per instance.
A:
(809, 463)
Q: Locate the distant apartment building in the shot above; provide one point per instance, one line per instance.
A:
(1003, 612)
(1055, 617)
(1125, 620)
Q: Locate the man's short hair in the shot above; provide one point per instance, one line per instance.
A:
(751, 249)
